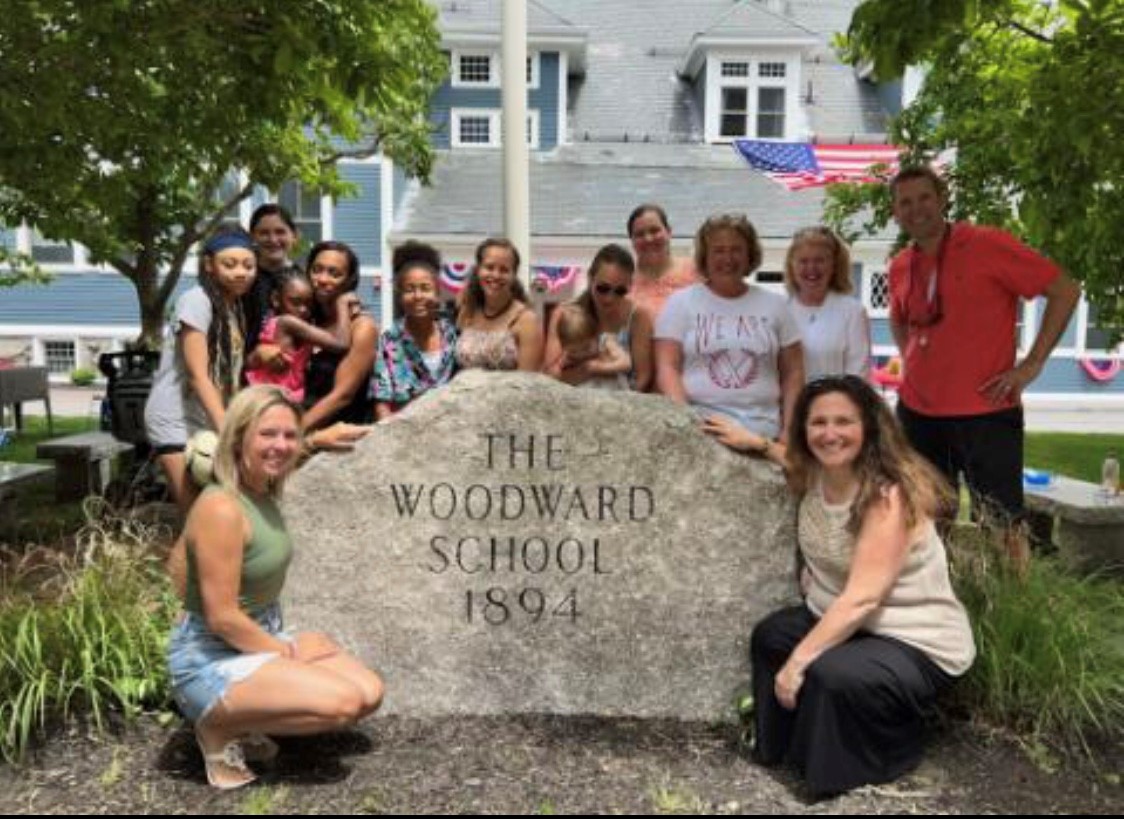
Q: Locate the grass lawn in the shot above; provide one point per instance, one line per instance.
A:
(1074, 454)
(22, 448)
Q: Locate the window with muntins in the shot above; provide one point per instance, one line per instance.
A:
(770, 113)
(59, 356)
(475, 69)
(750, 98)
(475, 130)
(305, 206)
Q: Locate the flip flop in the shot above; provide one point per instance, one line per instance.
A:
(230, 757)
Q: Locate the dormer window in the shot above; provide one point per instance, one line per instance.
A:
(750, 97)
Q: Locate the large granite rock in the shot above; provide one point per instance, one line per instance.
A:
(511, 544)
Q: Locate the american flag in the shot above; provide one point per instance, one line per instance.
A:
(799, 165)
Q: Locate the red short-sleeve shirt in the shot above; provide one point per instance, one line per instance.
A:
(985, 271)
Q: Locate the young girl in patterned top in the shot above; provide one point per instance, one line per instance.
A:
(289, 328)
(417, 353)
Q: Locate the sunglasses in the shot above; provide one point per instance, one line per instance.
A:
(602, 289)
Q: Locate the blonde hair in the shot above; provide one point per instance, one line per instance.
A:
(840, 258)
(739, 224)
(575, 325)
(243, 414)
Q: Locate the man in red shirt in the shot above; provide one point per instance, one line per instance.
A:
(954, 296)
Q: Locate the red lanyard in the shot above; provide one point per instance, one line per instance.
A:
(925, 309)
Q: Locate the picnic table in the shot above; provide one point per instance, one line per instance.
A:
(85, 462)
(1085, 523)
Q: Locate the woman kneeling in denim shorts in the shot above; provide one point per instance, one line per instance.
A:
(235, 673)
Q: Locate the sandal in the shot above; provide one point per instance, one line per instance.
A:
(230, 758)
(259, 748)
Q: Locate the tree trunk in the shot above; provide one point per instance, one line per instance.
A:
(153, 300)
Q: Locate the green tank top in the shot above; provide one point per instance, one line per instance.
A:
(265, 558)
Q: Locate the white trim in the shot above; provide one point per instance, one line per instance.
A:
(327, 217)
(715, 83)
(66, 330)
(455, 79)
(495, 67)
(495, 123)
(386, 223)
(563, 96)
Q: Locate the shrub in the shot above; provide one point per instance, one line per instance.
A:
(1051, 660)
(82, 377)
(82, 633)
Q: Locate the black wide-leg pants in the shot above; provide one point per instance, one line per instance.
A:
(860, 713)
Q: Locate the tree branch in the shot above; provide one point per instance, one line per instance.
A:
(1029, 32)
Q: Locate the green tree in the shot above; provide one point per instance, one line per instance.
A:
(121, 118)
(1026, 94)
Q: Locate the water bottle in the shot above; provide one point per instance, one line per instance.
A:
(1110, 475)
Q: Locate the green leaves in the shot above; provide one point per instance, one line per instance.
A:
(1024, 94)
(120, 117)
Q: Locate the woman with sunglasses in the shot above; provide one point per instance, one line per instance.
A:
(843, 682)
(607, 305)
(834, 326)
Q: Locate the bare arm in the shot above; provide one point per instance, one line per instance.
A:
(613, 360)
(643, 363)
(880, 554)
(1061, 298)
(731, 434)
(857, 356)
(790, 366)
(669, 370)
(197, 361)
(353, 373)
(218, 531)
(328, 339)
(528, 338)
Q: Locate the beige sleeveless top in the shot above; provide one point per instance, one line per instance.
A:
(921, 609)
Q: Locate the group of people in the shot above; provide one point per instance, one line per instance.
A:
(843, 681)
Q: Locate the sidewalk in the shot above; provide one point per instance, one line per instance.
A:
(1041, 416)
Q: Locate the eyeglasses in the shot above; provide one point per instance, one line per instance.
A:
(602, 289)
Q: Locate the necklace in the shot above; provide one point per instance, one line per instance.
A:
(498, 313)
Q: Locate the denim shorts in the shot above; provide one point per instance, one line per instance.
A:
(202, 666)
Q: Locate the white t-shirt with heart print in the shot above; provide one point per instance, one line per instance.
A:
(730, 350)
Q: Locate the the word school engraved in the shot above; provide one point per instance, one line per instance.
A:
(528, 548)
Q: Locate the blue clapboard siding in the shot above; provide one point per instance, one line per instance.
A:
(7, 238)
(358, 219)
(544, 99)
(1066, 375)
(105, 299)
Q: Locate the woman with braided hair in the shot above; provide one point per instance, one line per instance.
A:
(201, 362)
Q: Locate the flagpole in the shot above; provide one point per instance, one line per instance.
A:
(516, 175)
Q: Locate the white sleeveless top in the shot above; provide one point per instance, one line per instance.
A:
(921, 609)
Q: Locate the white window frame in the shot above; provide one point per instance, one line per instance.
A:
(324, 216)
(753, 83)
(494, 69)
(75, 363)
(495, 126)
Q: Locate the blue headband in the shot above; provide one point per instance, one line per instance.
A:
(225, 241)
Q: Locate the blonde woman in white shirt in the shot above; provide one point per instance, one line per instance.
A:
(834, 327)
